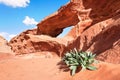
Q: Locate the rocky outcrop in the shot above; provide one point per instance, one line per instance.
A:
(4, 48)
(64, 17)
(2, 41)
(19, 43)
(103, 39)
(102, 17)
(78, 12)
(31, 43)
(95, 28)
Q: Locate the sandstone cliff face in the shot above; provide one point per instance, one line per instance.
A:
(4, 48)
(96, 28)
(103, 39)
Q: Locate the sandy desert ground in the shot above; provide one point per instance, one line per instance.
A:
(39, 67)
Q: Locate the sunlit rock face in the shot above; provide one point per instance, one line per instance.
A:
(2, 41)
(4, 48)
(96, 28)
(78, 12)
(28, 42)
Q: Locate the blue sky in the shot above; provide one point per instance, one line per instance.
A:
(17, 16)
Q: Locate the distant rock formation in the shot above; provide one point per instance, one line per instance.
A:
(2, 41)
(96, 28)
(4, 48)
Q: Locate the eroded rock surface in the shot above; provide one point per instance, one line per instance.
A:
(96, 28)
(31, 43)
(78, 11)
(103, 39)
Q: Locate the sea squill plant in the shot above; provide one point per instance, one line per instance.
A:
(75, 59)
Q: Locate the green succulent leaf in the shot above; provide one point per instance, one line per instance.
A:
(73, 69)
(91, 68)
(67, 63)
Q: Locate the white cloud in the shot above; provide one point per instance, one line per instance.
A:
(15, 3)
(29, 21)
(11, 35)
(6, 35)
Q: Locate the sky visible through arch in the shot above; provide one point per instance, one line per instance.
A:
(17, 16)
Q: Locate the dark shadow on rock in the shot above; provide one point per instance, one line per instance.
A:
(102, 10)
(107, 38)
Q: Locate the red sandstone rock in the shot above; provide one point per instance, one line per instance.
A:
(103, 39)
(4, 48)
(78, 11)
(19, 43)
(29, 43)
(2, 41)
(95, 28)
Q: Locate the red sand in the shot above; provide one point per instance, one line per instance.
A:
(32, 67)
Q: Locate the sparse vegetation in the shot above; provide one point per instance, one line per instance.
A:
(75, 59)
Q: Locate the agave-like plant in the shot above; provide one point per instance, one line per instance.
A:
(75, 59)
